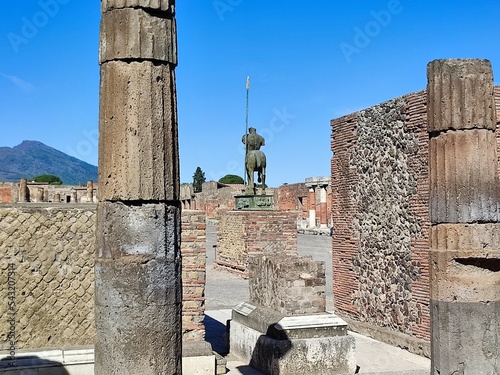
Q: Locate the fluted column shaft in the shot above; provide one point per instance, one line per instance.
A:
(138, 271)
(463, 207)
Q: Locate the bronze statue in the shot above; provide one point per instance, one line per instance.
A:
(255, 160)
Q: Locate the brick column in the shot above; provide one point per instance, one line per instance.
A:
(465, 235)
(323, 214)
(312, 207)
(137, 272)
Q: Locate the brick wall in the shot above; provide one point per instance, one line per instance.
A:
(293, 197)
(380, 218)
(51, 248)
(193, 252)
(6, 192)
(292, 285)
(242, 233)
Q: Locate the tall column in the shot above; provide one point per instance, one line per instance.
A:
(138, 291)
(323, 214)
(90, 191)
(312, 207)
(464, 206)
(24, 192)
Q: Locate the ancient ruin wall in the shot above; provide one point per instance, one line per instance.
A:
(194, 261)
(293, 197)
(292, 285)
(243, 233)
(52, 252)
(379, 193)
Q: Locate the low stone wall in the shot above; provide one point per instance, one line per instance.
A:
(47, 270)
(243, 233)
(291, 285)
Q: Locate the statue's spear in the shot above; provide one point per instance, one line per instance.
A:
(246, 133)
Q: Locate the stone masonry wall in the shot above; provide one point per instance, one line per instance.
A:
(292, 285)
(52, 252)
(51, 249)
(380, 217)
(243, 233)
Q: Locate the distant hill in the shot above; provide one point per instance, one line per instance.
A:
(32, 158)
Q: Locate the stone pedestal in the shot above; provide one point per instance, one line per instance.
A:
(254, 202)
(294, 345)
(242, 233)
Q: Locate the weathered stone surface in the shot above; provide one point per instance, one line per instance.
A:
(136, 34)
(136, 303)
(460, 95)
(291, 285)
(47, 255)
(465, 263)
(463, 177)
(146, 230)
(327, 355)
(468, 337)
(135, 340)
(164, 5)
(138, 147)
(152, 282)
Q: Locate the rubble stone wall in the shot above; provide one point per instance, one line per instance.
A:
(292, 285)
(47, 254)
(380, 216)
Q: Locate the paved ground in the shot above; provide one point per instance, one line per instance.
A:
(224, 291)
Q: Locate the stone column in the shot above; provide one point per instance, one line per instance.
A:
(39, 194)
(90, 191)
(465, 234)
(138, 271)
(323, 216)
(24, 192)
(312, 207)
(74, 196)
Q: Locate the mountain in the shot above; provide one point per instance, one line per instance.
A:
(32, 158)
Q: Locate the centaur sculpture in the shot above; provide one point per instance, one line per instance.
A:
(255, 160)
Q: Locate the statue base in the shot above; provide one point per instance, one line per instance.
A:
(254, 202)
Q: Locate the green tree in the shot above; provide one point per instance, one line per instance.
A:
(231, 179)
(198, 179)
(47, 178)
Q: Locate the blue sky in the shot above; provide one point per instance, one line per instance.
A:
(308, 62)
